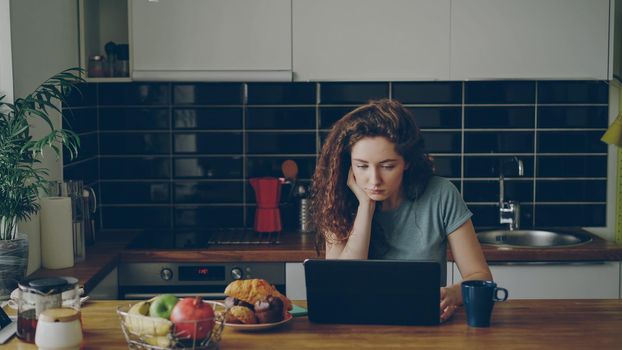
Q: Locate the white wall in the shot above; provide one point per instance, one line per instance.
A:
(6, 67)
(38, 38)
(44, 41)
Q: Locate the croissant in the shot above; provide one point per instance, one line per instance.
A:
(253, 290)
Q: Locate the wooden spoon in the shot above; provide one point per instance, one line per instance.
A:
(290, 171)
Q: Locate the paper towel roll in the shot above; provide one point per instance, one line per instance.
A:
(56, 233)
(32, 228)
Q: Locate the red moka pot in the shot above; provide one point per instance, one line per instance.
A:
(267, 194)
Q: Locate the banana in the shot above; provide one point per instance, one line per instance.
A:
(139, 324)
(140, 308)
(161, 341)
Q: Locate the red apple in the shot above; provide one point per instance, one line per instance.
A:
(192, 309)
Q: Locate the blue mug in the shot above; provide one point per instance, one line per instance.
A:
(479, 298)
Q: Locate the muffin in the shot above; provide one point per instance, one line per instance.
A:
(269, 310)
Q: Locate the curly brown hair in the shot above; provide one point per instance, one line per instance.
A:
(333, 205)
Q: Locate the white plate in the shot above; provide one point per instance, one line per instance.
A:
(258, 326)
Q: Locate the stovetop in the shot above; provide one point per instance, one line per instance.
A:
(197, 239)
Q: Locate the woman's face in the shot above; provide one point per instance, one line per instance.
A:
(378, 170)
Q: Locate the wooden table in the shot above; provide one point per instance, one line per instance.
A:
(517, 324)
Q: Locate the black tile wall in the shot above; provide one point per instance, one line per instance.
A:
(438, 117)
(499, 117)
(208, 118)
(280, 118)
(121, 94)
(500, 92)
(80, 113)
(281, 94)
(134, 118)
(208, 94)
(207, 142)
(567, 92)
(352, 93)
(177, 155)
(428, 92)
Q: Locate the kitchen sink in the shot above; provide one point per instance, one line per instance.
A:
(533, 238)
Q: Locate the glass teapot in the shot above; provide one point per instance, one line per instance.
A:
(36, 295)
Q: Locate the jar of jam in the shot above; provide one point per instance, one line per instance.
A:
(96, 66)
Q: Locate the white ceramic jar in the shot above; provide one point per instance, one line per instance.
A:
(59, 329)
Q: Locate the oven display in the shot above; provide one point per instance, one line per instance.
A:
(201, 273)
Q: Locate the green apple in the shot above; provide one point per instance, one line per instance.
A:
(162, 305)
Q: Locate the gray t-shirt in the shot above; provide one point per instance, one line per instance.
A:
(418, 230)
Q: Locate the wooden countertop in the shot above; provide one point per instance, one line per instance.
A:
(517, 324)
(292, 247)
(596, 250)
(101, 258)
(296, 247)
(111, 249)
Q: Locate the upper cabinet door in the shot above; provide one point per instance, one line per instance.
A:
(529, 39)
(358, 40)
(211, 39)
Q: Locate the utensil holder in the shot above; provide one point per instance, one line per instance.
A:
(304, 216)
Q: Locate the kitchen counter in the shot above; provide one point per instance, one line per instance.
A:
(596, 250)
(517, 324)
(101, 258)
(296, 247)
(111, 249)
(293, 246)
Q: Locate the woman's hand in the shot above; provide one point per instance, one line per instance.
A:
(450, 299)
(360, 193)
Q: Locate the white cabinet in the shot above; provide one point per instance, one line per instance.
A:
(108, 288)
(211, 40)
(530, 39)
(359, 40)
(295, 287)
(581, 280)
(101, 22)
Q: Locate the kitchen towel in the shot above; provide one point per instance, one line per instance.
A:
(32, 229)
(56, 233)
(613, 136)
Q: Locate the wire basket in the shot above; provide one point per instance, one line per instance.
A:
(144, 332)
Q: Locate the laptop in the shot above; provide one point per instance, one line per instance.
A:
(402, 292)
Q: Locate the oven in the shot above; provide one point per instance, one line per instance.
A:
(146, 279)
(142, 280)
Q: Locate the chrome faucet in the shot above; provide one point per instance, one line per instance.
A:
(509, 211)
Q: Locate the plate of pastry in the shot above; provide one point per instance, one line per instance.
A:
(255, 305)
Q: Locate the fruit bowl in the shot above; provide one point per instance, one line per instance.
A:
(144, 332)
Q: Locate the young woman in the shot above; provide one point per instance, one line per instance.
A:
(374, 196)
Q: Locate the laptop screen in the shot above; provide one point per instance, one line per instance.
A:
(373, 291)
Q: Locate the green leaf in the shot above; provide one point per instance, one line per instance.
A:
(21, 176)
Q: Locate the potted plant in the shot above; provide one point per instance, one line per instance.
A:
(22, 177)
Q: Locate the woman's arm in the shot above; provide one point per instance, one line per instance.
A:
(468, 255)
(357, 245)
